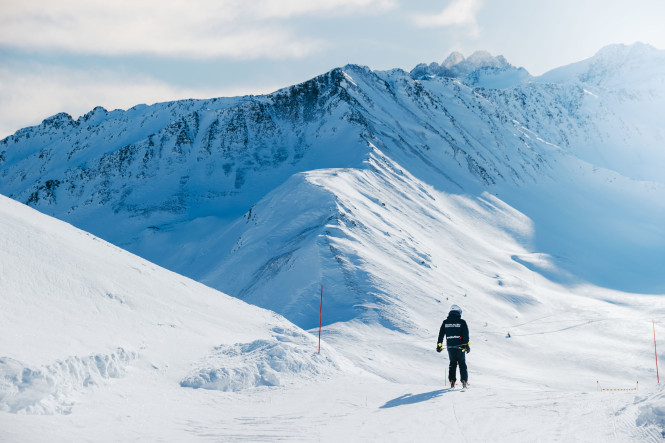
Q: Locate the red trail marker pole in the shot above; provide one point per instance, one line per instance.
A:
(320, 315)
(653, 323)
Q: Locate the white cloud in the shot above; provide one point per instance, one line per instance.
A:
(457, 13)
(289, 8)
(197, 29)
(35, 92)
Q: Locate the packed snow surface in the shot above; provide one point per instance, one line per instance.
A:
(99, 345)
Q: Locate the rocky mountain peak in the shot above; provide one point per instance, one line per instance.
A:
(480, 69)
(453, 59)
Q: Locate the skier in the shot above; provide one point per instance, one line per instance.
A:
(457, 341)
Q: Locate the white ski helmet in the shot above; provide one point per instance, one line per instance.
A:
(456, 308)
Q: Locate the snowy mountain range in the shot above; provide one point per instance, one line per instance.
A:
(168, 180)
(536, 203)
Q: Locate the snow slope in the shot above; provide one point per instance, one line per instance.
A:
(88, 328)
(99, 345)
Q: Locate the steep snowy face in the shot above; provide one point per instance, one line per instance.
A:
(174, 161)
(446, 129)
(604, 110)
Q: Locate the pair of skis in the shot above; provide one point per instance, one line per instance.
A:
(452, 388)
(460, 388)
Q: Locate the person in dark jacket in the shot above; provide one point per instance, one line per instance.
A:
(457, 342)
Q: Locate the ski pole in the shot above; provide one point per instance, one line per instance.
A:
(453, 347)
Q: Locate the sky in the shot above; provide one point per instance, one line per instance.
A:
(72, 55)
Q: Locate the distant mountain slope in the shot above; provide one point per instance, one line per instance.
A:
(604, 110)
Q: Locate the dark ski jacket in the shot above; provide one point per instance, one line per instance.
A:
(455, 330)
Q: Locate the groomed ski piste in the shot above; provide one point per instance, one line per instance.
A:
(100, 345)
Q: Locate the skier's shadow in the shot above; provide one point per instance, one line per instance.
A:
(409, 399)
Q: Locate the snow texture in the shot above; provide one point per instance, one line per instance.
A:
(48, 389)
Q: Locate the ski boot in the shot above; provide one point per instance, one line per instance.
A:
(452, 384)
(464, 384)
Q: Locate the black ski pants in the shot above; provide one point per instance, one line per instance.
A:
(457, 357)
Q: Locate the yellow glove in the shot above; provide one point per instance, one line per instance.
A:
(439, 347)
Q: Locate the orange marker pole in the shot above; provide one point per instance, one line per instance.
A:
(320, 315)
(654, 349)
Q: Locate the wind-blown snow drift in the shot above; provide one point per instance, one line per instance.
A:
(285, 358)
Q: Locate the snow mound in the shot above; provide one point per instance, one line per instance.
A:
(49, 389)
(286, 357)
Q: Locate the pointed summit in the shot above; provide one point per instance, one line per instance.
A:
(481, 69)
(453, 59)
(483, 59)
